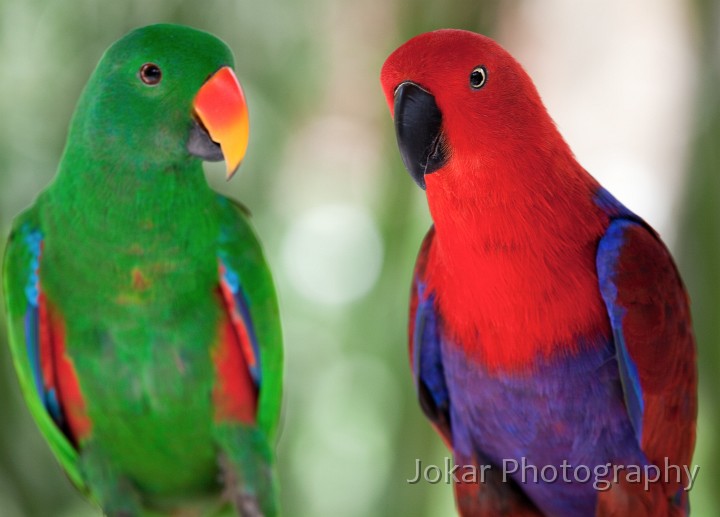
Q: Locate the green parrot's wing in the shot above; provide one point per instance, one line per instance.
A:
(246, 274)
(26, 324)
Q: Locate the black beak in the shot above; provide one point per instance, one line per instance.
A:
(418, 127)
(201, 145)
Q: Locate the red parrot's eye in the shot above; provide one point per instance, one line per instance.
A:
(478, 77)
(150, 74)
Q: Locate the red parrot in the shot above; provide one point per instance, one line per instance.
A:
(549, 326)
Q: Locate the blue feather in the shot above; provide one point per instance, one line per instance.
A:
(608, 256)
(49, 397)
(427, 357)
(232, 280)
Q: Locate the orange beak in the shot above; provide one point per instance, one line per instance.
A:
(221, 108)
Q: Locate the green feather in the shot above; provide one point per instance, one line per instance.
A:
(132, 237)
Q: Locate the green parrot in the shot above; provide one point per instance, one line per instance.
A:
(143, 319)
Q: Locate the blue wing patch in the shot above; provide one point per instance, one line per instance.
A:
(608, 256)
(242, 311)
(48, 395)
(427, 358)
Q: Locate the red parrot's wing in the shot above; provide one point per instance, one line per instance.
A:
(425, 348)
(655, 348)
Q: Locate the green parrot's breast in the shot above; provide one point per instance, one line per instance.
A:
(146, 375)
(148, 392)
(136, 287)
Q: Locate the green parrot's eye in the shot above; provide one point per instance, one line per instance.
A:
(478, 77)
(150, 74)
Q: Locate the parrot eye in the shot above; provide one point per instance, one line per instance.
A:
(150, 74)
(478, 77)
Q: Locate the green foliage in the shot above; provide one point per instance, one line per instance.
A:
(699, 253)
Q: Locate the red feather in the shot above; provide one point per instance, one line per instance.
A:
(494, 274)
(59, 372)
(658, 335)
(235, 394)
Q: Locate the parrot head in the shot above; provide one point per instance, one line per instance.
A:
(458, 96)
(167, 92)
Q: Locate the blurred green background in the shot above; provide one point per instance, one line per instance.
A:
(341, 221)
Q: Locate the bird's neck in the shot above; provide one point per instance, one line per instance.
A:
(101, 195)
(134, 232)
(513, 263)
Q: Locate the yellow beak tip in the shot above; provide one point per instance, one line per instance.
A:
(231, 171)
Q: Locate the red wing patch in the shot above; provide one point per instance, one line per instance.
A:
(59, 374)
(235, 393)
